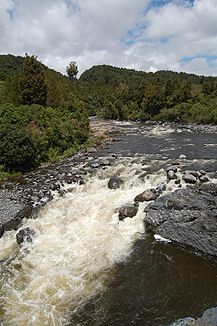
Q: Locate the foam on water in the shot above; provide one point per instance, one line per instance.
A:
(79, 239)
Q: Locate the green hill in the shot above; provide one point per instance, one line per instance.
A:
(120, 93)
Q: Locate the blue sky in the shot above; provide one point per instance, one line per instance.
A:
(148, 35)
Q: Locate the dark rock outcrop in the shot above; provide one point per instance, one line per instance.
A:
(114, 183)
(187, 217)
(25, 235)
(12, 210)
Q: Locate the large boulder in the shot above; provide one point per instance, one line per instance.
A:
(187, 217)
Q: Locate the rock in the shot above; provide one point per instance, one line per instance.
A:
(192, 172)
(161, 188)
(202, 172)
(12, 210)
(147, 195)
(55, 186)
(105, 162)
(1, 231)
(92, 149)
(95, 165)
(128, 211)
(189, 178)
(171, 168)
(26, 234)
(187, 217)
(209, 318)
(182, 157)
(171, 175)
(204, 179)
(114, 183)
(177, 182)
(184, 322)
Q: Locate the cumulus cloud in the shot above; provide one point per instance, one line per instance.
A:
(141, 34)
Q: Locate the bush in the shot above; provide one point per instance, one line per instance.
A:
(179, 113)
(18, 149)
(33, 134)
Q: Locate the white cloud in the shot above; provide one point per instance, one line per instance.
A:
(93, 32)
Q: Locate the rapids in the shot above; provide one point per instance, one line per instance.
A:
(85, 267)
(79, 239)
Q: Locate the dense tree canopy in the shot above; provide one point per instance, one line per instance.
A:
(32, 82)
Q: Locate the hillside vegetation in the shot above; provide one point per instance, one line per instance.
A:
(119, 93)
(44, 114)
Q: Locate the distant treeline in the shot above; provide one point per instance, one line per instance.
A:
(45, 113)
(118, 93)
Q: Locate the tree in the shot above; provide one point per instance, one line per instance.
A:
(72, 70)
(32, 82)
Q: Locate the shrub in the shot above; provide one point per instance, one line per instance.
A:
(33, 134)
(17, 148)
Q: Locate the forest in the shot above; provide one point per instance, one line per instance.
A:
(44, 114)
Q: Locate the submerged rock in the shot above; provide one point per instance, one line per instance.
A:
(209, 318)
(25, 235)
(147, 195)
(128, 211)
(187, 217)
(114, 183)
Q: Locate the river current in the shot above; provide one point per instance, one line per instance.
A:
(85, 267)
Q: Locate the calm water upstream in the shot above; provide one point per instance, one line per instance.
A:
(86, 268)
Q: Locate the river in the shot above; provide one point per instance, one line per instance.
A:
(85, 267)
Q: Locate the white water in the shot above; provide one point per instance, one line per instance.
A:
(79, 239)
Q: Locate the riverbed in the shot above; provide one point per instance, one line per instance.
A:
(85, 267)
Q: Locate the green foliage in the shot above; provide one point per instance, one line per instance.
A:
(33, 134)
(112, 93)
(178, 113)
(9, 65)
(72, 70)
(120, 93)
(5, 174)
(32, 82)
(17, 148)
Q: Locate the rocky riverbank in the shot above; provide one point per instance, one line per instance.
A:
(22, 196)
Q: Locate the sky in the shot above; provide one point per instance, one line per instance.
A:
(148, 35)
